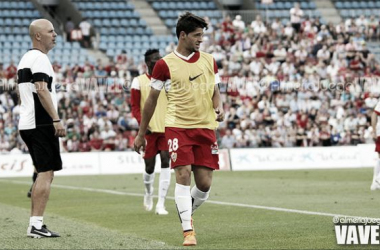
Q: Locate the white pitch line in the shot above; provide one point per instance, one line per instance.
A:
(278, 209)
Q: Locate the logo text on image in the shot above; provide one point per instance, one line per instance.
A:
(356, 231)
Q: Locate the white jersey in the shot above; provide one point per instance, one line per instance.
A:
(296, 15)
(34, 67)
(377, 110)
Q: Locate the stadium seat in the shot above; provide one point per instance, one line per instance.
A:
(339, 5)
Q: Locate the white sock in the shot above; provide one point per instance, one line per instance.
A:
(148, 181)
(376, 170)
(183, 201)
(36, 221)
(163, 186)
(198, 197)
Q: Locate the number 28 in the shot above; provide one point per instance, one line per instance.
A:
(173, 144)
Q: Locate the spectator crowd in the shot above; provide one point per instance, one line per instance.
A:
(303, 83)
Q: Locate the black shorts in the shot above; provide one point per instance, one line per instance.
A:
(43, 146)
(297, 27)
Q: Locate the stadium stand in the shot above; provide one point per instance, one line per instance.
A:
(14, 20)
(121, 28)
(352, 9)
(170, 10)
(280, 88)
(280, 9)
(15, 17)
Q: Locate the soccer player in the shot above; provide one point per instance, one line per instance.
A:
(190, 79)
(39, 122)
(376, 133)
(155, 135)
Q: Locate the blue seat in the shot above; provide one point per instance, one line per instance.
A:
(25, 45)
(120, 45)
(8, 22)
(7, 5)
(115, 22)
(67, 45)
(347, 5)
(136, 39)
(103, 45)
(355, 5)
(142, 22)
(129, 46)
(363, 5)
(163, 14)
(101, 6)
(288, 5)
(124, 22)
(36, 14)
(339, 5)
(81, 6)
(187, 6)
(304, 5)
(18, 38)
(164, 5)
(29, 5)
(75, 45)
(21, 5)
(122, 6)
(371, 5)
(135, 14)
(97, 22)
(111, 45)
(13, 5)
(110, 52)
(112, 31)
(130, 31)
(106, 22)
(211, 5)
(280, 5)
(7, 45)
(156, 5)
(115, 6)
(133, 22)
(16, 45)
(154, 45)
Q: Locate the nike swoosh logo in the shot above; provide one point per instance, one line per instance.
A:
(41, 233)
(195, 77)
(183, 211)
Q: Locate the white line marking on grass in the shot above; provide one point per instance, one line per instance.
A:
(278, 209)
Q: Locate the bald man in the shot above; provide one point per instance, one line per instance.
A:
(39, 124)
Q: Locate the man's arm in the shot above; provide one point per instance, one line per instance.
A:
(46, 101)
(217, 104)
(374, 122)
(135, 103)
(149, 107)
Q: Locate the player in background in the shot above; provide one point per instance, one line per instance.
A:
(190, 79)
(39, 124)
(155, 135)
(375, 122)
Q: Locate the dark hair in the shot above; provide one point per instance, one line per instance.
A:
(150, 52)
(189, 22)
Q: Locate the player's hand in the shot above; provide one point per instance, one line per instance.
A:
(219, 115)
(139, 144)
(60, 131)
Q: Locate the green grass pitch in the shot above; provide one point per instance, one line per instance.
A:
(109, 214)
